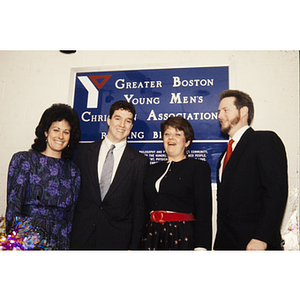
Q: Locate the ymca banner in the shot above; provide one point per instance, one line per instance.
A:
(156, 94)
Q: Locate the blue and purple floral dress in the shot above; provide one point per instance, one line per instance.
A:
(43, 191)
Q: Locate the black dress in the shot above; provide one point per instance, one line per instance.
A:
(185, 188)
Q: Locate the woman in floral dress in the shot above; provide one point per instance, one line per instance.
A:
(43, 183)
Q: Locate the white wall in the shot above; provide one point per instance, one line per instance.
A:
(30, 81)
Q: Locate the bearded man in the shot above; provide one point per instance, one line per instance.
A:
(252, 185)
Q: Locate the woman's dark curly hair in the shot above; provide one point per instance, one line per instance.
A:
(58, 112)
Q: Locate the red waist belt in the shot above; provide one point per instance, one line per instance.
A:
(162, 216)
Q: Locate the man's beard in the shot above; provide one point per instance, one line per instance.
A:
(232, 123)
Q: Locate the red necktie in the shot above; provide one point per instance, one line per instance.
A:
(228, 153)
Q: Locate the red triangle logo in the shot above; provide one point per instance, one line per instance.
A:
(95, 80)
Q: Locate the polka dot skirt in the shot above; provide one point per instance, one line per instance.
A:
(169, 236)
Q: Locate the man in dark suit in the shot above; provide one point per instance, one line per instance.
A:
(252, 190)
(114, 220)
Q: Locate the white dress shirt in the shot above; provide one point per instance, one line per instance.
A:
(118, 152)
(237, 136)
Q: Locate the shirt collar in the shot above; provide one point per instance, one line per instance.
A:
(237, 136)
(108, 143)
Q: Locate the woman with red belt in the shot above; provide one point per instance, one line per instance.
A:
(178, 193)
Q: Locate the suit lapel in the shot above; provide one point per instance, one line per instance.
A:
(235, 156)
(122, 170)
(93, 156)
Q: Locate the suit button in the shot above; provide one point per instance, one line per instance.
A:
(101, 207)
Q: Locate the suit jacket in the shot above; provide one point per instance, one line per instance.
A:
(252, 196)
(115, 222)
